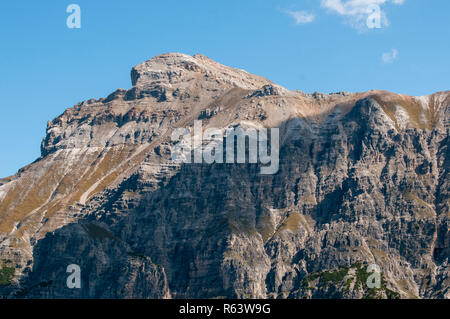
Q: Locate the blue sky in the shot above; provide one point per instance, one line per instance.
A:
(310, 45)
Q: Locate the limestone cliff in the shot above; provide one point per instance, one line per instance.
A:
(363, 179)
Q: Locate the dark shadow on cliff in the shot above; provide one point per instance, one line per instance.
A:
(174, 237)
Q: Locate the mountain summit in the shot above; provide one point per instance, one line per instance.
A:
(363, 181)
(178, 70)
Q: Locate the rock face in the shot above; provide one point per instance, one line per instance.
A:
(363, 179)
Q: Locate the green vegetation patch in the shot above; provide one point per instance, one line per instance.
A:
(334, 276)
(6, 276)
(327, 277)
(343, 278)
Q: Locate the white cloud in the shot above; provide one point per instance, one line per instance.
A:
(302, 17)
(358, 12)
(390, 57)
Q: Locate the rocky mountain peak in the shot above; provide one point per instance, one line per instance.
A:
(363, 179)
(179, 70)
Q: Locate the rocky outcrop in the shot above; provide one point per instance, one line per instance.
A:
(363, 180)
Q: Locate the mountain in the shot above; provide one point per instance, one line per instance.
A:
(363, 180)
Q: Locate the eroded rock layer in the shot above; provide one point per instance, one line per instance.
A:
(363, 179)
